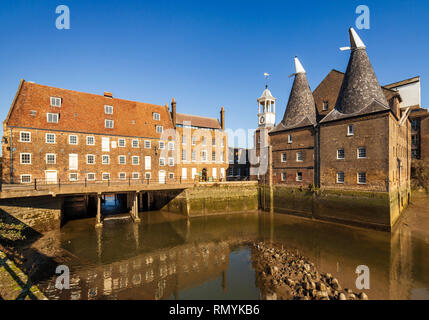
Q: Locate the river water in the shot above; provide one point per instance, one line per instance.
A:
(170, 257)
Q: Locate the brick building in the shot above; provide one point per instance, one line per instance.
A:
(57, 135)
(239, 164)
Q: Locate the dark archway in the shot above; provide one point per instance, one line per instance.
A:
(204, 174)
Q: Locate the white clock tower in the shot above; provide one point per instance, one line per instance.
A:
(266, 110)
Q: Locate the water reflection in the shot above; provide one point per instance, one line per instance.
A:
(171, 257)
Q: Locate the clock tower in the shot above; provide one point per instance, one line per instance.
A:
(266, 110)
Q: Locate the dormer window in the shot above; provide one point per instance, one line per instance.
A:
(108, 109)
(52, 117)
(108, 124)
(159, 129)
(156, 116)
(325, 106)
(289, 138)
(350, 130)
(55, 102)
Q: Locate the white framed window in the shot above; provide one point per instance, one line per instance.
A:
(108, 109)
(90, 140)
(194, 140)
(162, 161)
(183, 155)
(340, 177)
(204, 155)
(213, 142)
(90, 176)
(25, 158)
(213, 155)
(156, 116)
(25, 136)
(171, 175)
(90, 159)
(105, 144)
(159, 129)
(25, 178)
(340, 154)
(283, 176)
(73, 177)
(105, 176)
(222, 157)
(135, 160)
(299, 156)
(135, 175)
(171, 162)
(289, 138)
(121, 142)
(222, 143)
(108, 124)
(361, 153)
(350, 130)
(299, 176)
(55, 102)
(171, 145)
(122, 175)
(204, 141)
(183, 139)
(50, 138)
(283, 157)
(135, 143)
(72, 139)
(105, 159)
(147, 144)
(161, 145)
(194, 155)
(51, 158)
(361, 177)
(122, 159)
(52, 117)
(147, 175)
(147, 162)
(325, 105)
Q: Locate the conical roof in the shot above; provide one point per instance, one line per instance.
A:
(360, 86)
(300, 109)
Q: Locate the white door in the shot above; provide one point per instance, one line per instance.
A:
(161, 176)
(194, 172)
(72, 161)
(147, 163)
(214, 173)
(105, 144)
(51, 176)
(184, 173)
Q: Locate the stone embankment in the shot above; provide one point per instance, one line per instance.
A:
(283, 275)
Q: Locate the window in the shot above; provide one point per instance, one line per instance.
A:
(283, 157)
(135, 143)
(204, 141)
(325, 105)
(51, 158)
(183, 155)
(299, 176)
(33, 113)
(108, 124)
(361, 177)
(204, 155)
(122, 160)
(90, 176)
(159, 129)
(162, 161)
(194, 155)
(283, 176)
(135, 160)
(222, 157)
(121, 142)
(122, 175)
(171, 145)
(25, 178)
(194, 140)
(340, 177)
(299, 156)
(105, 144)
(105, 159)
(105, 176)
(55, 102)
(52, 117)
(24, 136)
(361, 152)
(340, 154)
(147, 175)
(72, 139)
(73, 176)
(147, 162)
(222, 143)
(350, 130)
(289, 138)
(90, 159)
(213, 155)
(171, 175)
(108, 109)
(25, 158)
(147, 144)
(162, 145)
(135, 175)
(183, 139)
(156, 116)
(214, 142)
(50, 138)
(171, 162)
(90, 140)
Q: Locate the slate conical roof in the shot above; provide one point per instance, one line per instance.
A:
(360, 87)
(300, 109)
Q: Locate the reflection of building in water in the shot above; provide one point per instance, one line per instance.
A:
(156, 275)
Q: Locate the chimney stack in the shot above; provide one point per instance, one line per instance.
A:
(173, 112)
(222, 118)
(108, 94)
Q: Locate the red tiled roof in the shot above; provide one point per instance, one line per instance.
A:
(197, 121)
(84, 112)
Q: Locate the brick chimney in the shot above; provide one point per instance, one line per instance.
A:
(222, 118)
(108, 94)
(173, 112)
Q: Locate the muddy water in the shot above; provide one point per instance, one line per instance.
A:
(170, 257)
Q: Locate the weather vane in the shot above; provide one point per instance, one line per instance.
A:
(266, 75)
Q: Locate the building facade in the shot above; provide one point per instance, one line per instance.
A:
(239, 164)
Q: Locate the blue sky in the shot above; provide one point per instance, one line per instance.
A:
(204, 53)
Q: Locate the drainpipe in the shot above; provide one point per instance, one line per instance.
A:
(11, 156)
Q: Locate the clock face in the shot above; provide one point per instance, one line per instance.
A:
(262, 120)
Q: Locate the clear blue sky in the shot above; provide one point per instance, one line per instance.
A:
(203, 53)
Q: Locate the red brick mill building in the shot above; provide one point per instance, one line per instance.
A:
(55, 135)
